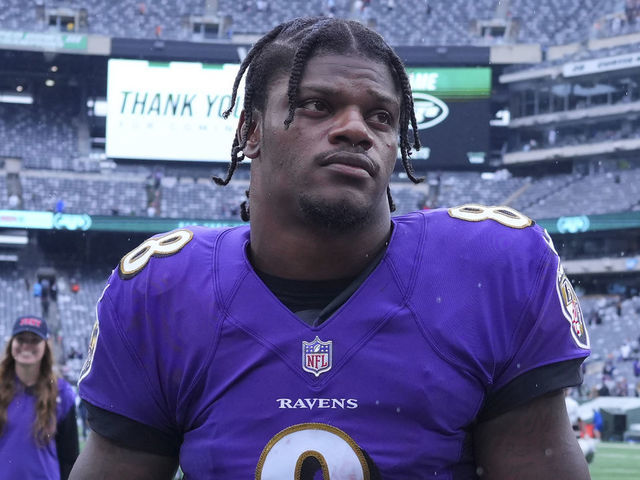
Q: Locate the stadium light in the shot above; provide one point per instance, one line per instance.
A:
(98, 107)
(49, 82)
(14, 239)
(23, 98)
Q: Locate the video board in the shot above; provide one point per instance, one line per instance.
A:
(453, 112)
(173, 111)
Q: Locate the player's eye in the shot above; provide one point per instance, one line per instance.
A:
(382, 117)
(314, 105)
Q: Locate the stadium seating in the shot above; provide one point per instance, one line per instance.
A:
(576, 196)
(202, 199)
(124, 193)
(53, 127)
(446, 22)
(619, 325)
(94, 195)
(15, 298)
(470, 187)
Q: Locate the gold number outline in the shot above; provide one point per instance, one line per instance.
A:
(163, 246)
(366, 475)
(507, 216)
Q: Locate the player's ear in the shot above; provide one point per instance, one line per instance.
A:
(252, 148)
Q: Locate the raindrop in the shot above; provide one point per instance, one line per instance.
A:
(398, 410)
(377, 402)
(479, 471)
(438, 300)
(479, 284)
(548, 452)
(518, 365)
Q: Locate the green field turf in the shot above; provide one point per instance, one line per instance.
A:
(616, 461)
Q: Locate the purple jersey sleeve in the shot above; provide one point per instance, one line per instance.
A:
(117, 379)
(148, 345)
(496, 301)
(551, 328)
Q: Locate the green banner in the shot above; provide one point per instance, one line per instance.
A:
(65, 221)
(44, 220)
(152, 225)
(43, 40)
(452, 83)
(26, 219)
(591, 223)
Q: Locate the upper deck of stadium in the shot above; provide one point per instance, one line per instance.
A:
(407, 22)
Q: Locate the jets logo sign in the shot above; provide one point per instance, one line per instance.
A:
(430, 111)
(571, 309)
(317, 356)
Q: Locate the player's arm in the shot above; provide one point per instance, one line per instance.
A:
(530, 442)
(102, 459)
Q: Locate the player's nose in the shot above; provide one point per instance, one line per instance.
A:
(350, 128)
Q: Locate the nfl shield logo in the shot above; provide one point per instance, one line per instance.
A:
(316, 356)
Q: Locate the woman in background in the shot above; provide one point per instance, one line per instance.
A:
(38, 430)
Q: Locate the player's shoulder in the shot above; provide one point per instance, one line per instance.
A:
(177, 263)
(495, 231)
(170, 251)
(171, 268)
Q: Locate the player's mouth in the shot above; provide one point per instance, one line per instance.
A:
(350, 163)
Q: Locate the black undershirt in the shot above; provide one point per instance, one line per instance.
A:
(314, 302)
(67, 442)
(306, 298)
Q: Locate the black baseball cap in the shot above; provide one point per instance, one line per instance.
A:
(31, 324)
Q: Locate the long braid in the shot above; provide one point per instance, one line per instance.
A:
(299, 62)
(392, 205)
(255, 51)
(408, 110)
(239, 145)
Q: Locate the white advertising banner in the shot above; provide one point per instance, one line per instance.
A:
(170, 110)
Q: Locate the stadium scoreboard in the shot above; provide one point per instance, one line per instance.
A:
(452, 108)
(173, 111)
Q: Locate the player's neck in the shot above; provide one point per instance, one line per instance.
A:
(298, 253)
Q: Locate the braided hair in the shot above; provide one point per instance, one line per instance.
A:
(287, 49)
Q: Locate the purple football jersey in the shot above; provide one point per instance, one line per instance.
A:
(190, 340)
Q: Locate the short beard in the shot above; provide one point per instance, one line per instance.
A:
(335, 217)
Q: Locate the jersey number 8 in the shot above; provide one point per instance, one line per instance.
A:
(161, 246)
(287, 452)
(507, 216)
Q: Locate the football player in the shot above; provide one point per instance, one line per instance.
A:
(327, 338)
